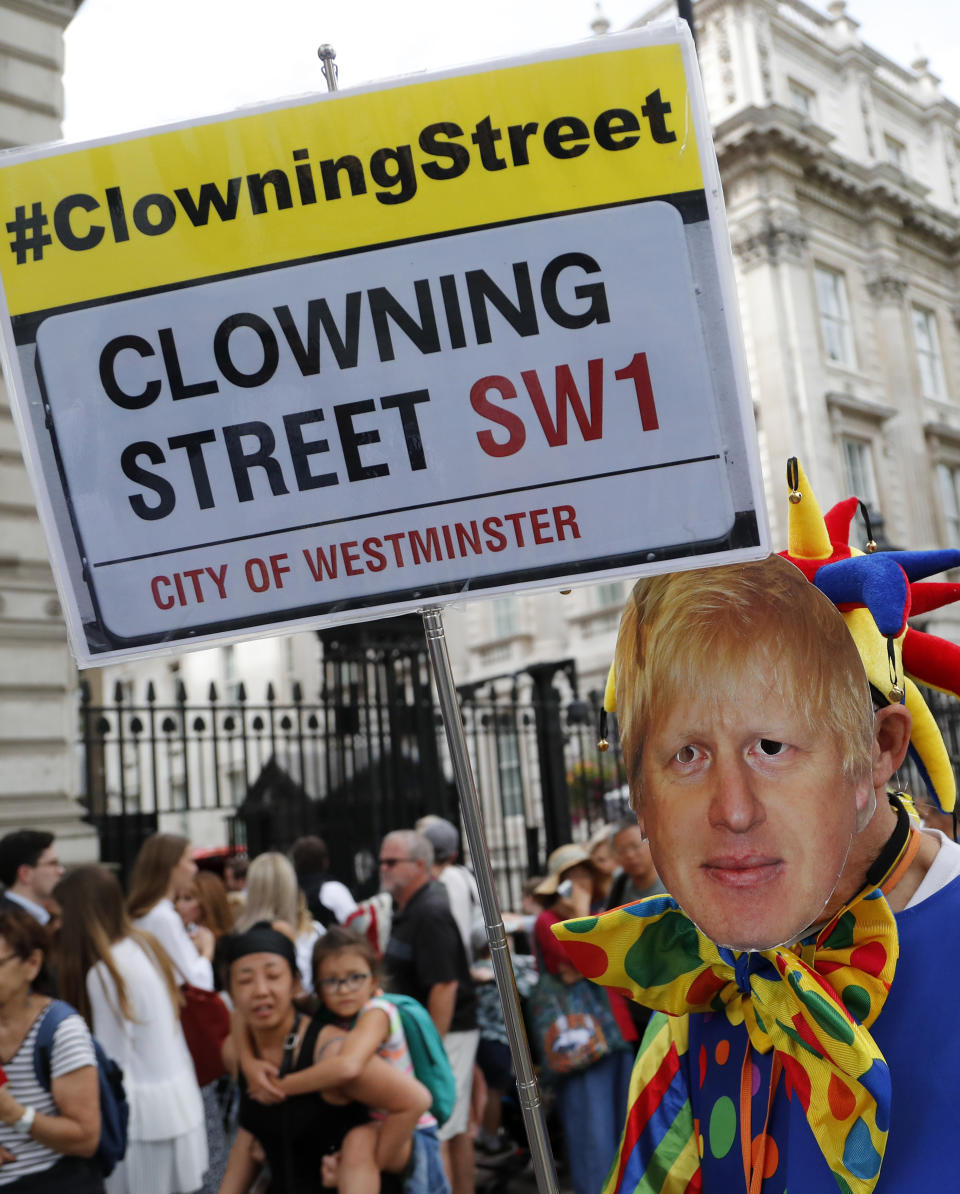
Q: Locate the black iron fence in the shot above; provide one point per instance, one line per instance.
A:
(369, 755)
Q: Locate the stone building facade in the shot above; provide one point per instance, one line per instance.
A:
(841, 176)
(38, 762)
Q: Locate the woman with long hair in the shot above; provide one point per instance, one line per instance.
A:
(164, 866)
(204, 903)
(48, 1133)
(273, 895)
(122, 983)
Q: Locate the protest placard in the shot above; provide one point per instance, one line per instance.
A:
(376, 350)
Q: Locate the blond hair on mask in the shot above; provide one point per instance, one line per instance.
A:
(699, 632)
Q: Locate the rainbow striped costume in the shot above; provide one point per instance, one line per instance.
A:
(684, 1130)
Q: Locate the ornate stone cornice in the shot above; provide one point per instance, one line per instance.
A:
(756, 137)
(58, 12)
(887, 286)
(769, 241)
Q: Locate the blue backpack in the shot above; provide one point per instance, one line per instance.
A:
(114, 1109)
(430, 1064)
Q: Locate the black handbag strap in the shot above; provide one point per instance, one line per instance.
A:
(286, 1064)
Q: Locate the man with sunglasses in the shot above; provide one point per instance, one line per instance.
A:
(425, 958)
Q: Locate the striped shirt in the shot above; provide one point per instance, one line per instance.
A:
(72, 1049)
(395, 1050)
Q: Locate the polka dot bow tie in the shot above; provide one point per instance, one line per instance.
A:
(812, 1004)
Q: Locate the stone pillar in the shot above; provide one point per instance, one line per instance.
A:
(770, 245)
(39, 759)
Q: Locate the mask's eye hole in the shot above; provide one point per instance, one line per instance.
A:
(686, 754)
(770, 746)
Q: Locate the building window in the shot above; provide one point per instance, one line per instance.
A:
(896, 152)
(504, 615)
(858, 470)
(928, 352)
(834, 315)
(801, 98)
(510, 774)
(606, 595)
(231, 681)
(860, 480)
(949, 477)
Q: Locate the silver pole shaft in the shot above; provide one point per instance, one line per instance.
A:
(528, 1089)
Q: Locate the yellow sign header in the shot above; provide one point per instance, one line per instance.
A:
(346, 171)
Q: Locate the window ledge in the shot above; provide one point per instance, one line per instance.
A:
(851, 404)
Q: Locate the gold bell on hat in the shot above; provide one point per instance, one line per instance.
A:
(609, 705)
(793, 481)
(896, 690)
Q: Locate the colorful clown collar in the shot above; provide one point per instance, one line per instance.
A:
(811, 1003)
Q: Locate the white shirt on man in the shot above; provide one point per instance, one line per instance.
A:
(37, 911)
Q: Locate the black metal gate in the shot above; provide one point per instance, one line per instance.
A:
(367, 756)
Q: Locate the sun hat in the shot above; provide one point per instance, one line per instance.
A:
(563, 859)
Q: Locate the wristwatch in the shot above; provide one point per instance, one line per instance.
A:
(25, 1122)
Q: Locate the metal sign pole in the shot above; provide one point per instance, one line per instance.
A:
(528, 1089)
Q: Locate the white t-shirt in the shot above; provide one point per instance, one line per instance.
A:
(464, 901)
(336, 896)
(304, 947)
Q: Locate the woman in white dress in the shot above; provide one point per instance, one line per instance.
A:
(163, 867)
(123, 985)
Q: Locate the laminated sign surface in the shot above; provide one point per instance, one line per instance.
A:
(376, 350)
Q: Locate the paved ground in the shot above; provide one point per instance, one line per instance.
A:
(513, 1174)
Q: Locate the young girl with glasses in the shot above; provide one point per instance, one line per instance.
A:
(295, 1132)
(364, 1024)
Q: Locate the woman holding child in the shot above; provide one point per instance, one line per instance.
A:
(318, 1113)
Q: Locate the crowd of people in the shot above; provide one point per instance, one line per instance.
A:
(247, 1015)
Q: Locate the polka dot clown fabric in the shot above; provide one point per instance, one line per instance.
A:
(810, 1007)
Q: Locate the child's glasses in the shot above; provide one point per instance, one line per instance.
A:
(349, 982)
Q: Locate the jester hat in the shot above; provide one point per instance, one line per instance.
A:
(877, 593)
